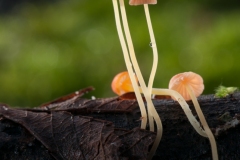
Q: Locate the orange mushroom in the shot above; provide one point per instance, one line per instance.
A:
(131, 64)
(139, 2)
(190, 85)
(122, 83)
(181, 80)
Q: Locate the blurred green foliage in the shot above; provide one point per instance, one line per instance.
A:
(50, 50)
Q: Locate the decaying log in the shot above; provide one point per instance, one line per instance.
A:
(45, 132)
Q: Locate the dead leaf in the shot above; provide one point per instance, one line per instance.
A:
(68, 136)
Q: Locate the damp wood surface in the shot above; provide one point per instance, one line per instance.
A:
(73, 127)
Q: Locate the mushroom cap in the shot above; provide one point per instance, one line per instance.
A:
(122, 84)
(140, 2)
(179, 82)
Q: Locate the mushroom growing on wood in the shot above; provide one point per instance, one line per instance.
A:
(155, 53)
(122, 84)
(180, 100)
(190, 85)
(180, 81)
(129, 65)
(129, 53)
(132, 65)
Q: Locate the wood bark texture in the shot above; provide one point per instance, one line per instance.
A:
(73, 127)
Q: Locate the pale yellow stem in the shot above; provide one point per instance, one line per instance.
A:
(184, 106)
(129, 66)
(146, 92)
(154, 48)
(155, 54)
(204, 123)
(153, 72)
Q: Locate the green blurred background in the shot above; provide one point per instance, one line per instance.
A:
(50, 49)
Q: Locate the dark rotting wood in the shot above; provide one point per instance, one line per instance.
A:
(120, 118)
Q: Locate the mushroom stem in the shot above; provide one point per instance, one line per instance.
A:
(204, 123)
(129, 66)
(184, 106)
(146, 92)
(154, 48)
(155, 54)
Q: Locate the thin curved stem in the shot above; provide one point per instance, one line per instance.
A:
(129, 65)
(146, 92)
(155, 53)
(154, 48)
(204, 123)
(184, 106)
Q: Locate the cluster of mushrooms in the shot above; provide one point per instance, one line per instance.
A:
(182, 87)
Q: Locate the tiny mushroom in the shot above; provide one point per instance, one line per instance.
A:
(190, 85)
(180, 82)
(134, 72)
(139, 2)
(122, 84)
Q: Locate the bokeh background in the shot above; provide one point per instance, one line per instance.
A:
(52, 48)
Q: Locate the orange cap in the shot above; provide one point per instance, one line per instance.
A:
(122, 83)
(179, 82)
